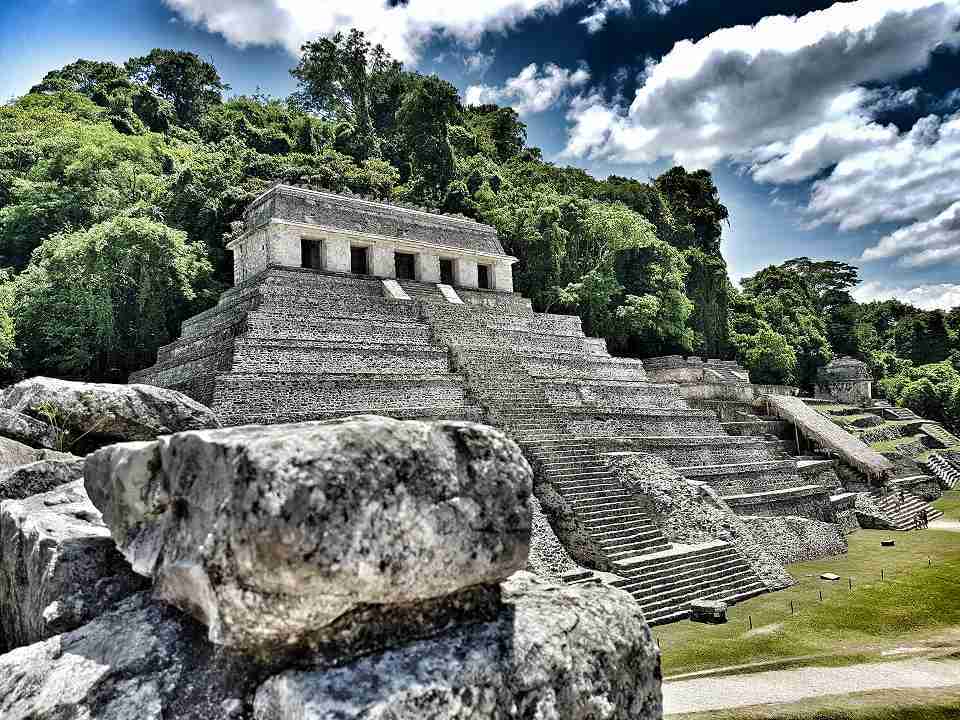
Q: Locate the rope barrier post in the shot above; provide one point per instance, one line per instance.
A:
(850, 582)
(821, 596)
(750, 618)
(791, 607)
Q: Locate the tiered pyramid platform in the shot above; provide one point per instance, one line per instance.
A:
(291, 344)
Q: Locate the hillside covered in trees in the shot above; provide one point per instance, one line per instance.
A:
(120, 187)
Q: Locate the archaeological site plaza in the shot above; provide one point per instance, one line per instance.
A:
(675, 479)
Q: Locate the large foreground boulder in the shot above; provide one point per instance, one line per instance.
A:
(30, 431)
(42, 476)
(94, 414)
(141, 661)
(59, 567)
(570, 653)
(341, 536)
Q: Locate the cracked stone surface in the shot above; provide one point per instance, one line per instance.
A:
(59, 567)
(351, 533)
(570, 652)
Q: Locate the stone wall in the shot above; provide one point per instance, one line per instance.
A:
(344, 212)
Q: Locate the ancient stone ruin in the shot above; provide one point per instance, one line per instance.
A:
(846, 380)
(345, 306)
(295, 514)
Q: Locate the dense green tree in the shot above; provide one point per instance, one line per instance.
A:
(187, 81)
(98, 303)
(345, 78)
(425, 115)
(932, 391)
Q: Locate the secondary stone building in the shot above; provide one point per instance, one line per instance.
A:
(344, 306)
(845, 380)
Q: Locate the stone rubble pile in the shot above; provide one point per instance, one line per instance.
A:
(361, 568)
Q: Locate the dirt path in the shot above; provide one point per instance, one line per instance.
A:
(784, 686)
(951, 525)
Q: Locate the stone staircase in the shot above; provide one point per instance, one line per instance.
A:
(898, 413)
(904, 514)
(422, 291)
(942, 469)
(940, 434)
(625, 542)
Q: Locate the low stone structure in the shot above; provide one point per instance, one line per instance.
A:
(291, 343)
(845, 380)
(354, 569)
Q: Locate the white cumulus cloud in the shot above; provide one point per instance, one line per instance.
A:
(533, 90)
(934, 296)
(923, 243)
(401, 28)
(772, 93)
(601, 10)
(662, 7)
(788, 99)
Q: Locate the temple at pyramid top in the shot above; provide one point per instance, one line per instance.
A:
(295, 227)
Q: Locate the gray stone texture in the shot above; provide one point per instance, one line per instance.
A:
(141, 661)
(358, 215)
(692, 513)
(795, 539)
(30, 431)
(13, 454)
(869, 514)
(570, 653)
(94, 414)
(275, 535)
(22, 481)
(59, 567)
(548, 558)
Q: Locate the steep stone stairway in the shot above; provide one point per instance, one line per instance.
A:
(904, 514)
(942, 469)
(617, 535)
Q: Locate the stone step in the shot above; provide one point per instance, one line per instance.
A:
(713, 582)
(598, 510)
(678, 556)
(617, 522)
(654, 544)
(613, 536)
(682, 610)
(594, 495)
(682, 573)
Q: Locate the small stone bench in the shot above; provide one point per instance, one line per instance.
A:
(708, 611)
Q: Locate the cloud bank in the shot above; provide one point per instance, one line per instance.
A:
(401, 28)
(788, 100)
(938, 296)
(533, 90)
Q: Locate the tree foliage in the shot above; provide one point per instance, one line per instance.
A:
(105, 167)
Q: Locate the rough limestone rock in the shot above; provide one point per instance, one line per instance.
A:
(793, 539)
(141, 661)
(691, 512)
(870, 516)
(28, 430)
(41, 476)
(333, 535)
(94, 414)
(548, 558)
(13, 453)
(59, 567)
(567, 653)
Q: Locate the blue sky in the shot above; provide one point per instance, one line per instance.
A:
(832, 129)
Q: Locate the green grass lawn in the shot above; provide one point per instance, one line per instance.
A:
(933, 704)
(949, 504)
(914, 603)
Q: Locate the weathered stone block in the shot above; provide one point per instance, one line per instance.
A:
(20, 482)
(59, 567)
(274, 535)
(141, 661)
(575, 653)
(98, 413)
(23, 428)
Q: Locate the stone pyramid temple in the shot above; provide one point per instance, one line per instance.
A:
(346, 306)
